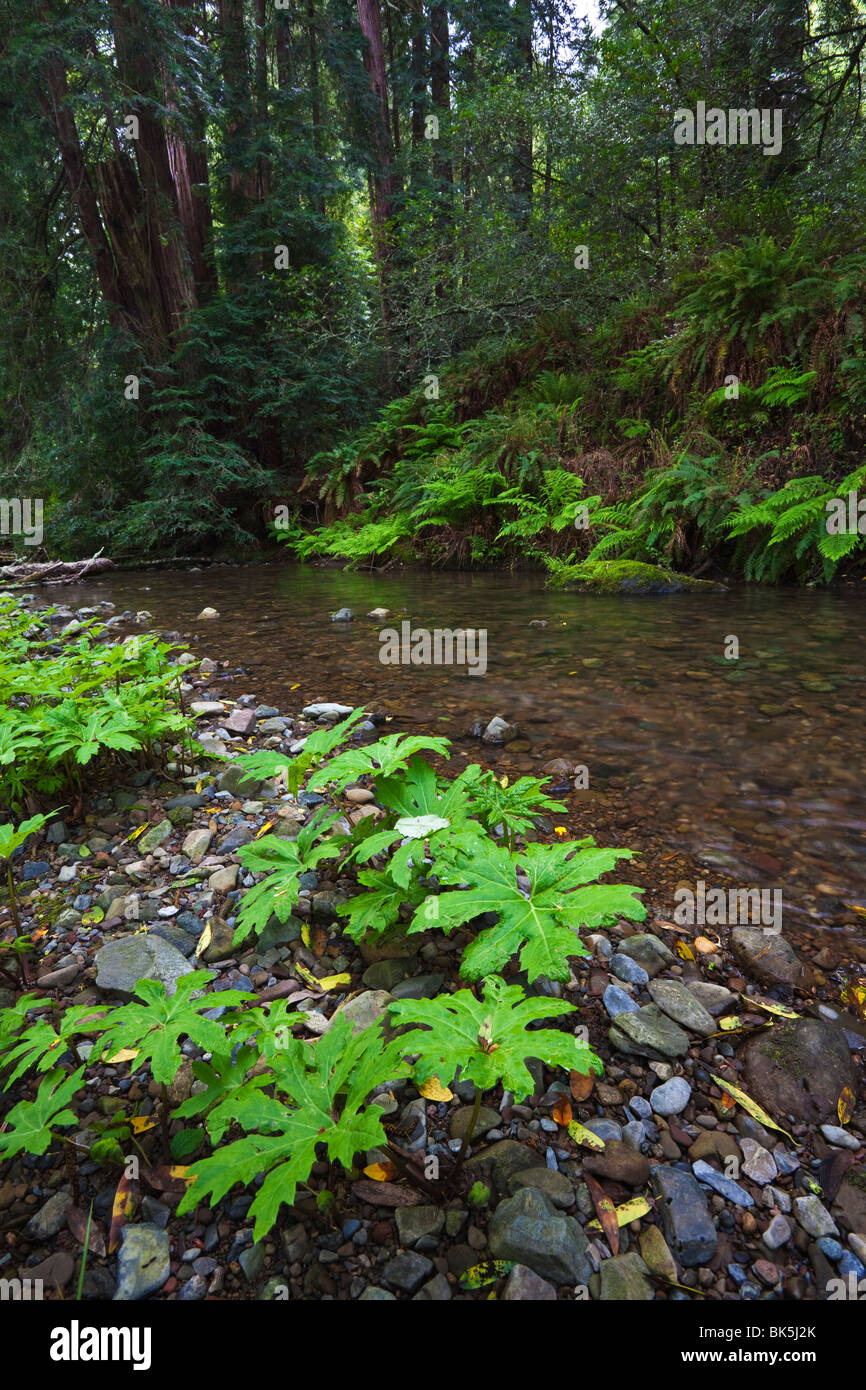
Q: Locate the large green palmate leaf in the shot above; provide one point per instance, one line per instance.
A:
(39, 1046)
(488, 1039)
(224, 1079)
(542, 923)
(30, 1123)
(283, 861)
(385, 757)
(154, 1026)
(379, 908)
(282, 1139)
(420, 793)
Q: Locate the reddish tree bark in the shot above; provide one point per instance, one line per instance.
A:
(382, 181)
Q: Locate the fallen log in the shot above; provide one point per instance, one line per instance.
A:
(56, 571)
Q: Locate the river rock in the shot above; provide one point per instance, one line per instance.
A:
(51, 1217)
(680, 1004)
(648, 1033)
(625, 1278)
(627, 969)
(778, 1233)
(726, 1187)
(616, 1001)
(500, 731)
(121, 963)
(688, 1226)
(672, 1097)
(414, 1223)
(505, 1158)
(759, 1164)
(714, 998)
(154, 837)
(524, 1285)
(215, 942)
(528, 1228)
(765, 957)
(850, 1202)
(649, 951)
(143, 1262)
(407, 1272)
(326, 710)
(832, 1133)
(555, 1185)
(196, 845)
(656, 1255)
(619, 1162)
(207, 613)
(800, 1068)
(365, 1008)
(55, 1272)
(814, 1217)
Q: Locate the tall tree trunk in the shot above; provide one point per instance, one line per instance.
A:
(166, 284)
(119, 302)
(522, 178)
(419, 86)
(261, 97)
(440, 94)
(382, 180)
(315, 102)
(241, 190)
(189, 167)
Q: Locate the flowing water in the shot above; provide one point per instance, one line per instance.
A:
(745, 772)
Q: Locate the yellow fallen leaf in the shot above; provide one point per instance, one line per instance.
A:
(629, 1211)
(305, 934)
(705, 945)
(773, 1008)
(268, 825)
(126, 1054)
(845, 1107)
(685, 952)
(198, 788)
(203, 941)
(140, 1124)
(135, 834)
(333, 981)
(731, 1024)
(306, 975)
(380, 1172)
(750, 1106)
(295, 687)
(434, 1090)
(581, 1135)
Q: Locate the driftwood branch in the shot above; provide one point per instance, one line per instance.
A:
(56, 571)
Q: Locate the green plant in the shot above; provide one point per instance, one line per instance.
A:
(786, 531)
(512, 806)
(321, 1091)
(317, 746)
(488, 1040)
(540, 921)
(153, 1024)
(12, 838)
(40, 1045)
(30, 1125)
(282, 862)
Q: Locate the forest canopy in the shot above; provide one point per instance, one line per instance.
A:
(233, 232)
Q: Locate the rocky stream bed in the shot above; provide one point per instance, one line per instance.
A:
(736, 1210)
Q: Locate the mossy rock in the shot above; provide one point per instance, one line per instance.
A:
(632, 577)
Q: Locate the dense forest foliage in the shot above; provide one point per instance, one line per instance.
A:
(431, 281)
